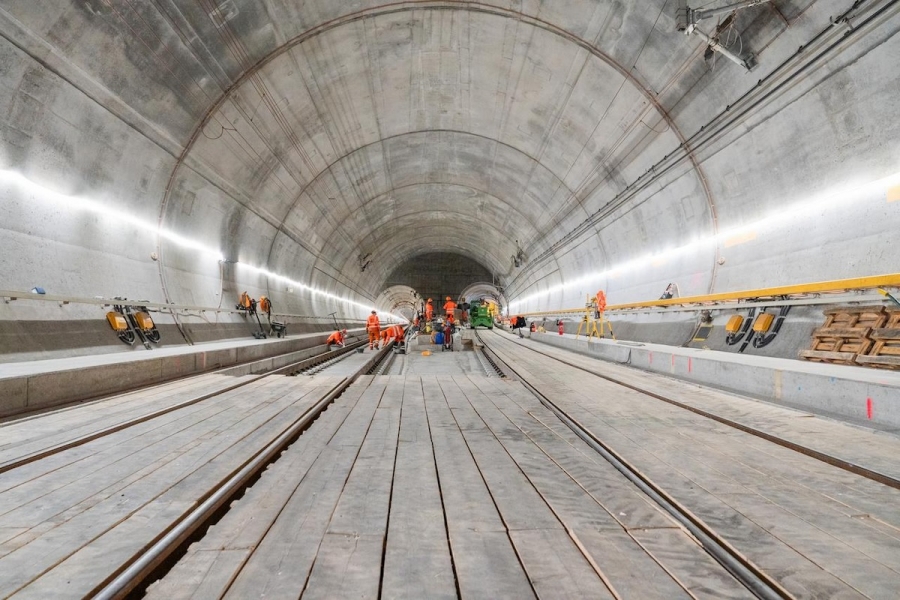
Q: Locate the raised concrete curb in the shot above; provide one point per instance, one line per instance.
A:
(42, 384)
(852, 393)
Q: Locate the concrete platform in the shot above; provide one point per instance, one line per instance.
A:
(35, 385)
(855, 394)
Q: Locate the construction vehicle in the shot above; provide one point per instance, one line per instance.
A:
(480, 315)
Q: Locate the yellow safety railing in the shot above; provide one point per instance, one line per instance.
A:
(838, 285)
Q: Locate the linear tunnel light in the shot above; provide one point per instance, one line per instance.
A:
(831, 200)
(45, 194)
(40, 192)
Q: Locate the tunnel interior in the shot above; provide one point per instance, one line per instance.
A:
(437, 275)
(319, 153)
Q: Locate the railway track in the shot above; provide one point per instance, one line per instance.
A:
(831, 459)
(274, 434)
(746, 572)
(298, 367)
(672, 440)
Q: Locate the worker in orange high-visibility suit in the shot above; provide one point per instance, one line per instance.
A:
(429, 310)
(336, 339)
(397, 334)
(449, 306)
(373, 328)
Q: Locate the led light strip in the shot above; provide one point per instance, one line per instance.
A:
(802, 210)
(42, 193)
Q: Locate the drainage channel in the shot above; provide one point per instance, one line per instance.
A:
(742, 569)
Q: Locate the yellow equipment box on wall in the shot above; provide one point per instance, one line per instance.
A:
(734, 324)
(116, 321)
(763, 322)
(144, 321)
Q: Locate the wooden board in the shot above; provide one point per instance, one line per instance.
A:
(417, 562)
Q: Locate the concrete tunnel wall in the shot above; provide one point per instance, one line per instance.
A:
(300, 136)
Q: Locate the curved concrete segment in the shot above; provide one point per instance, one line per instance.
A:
(185, 153)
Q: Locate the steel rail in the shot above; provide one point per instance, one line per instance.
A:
(743, 569)
(127, 579)
(80, 441)
(830, 459)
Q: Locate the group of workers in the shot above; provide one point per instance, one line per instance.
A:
(449, 308)
(377, 336)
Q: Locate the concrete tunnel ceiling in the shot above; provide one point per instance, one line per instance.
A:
(317, 138)
(389, 136)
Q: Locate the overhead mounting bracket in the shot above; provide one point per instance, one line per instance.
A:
(686, 20)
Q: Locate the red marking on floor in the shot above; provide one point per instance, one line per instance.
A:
(689, 364)
(869, 407)
(651, 357)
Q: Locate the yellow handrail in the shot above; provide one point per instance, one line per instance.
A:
(837, 285)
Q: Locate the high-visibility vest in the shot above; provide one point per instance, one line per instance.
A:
(372, 323)
(601, 301)
(335, 338)
(245, 301)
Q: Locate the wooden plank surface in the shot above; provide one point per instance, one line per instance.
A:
(280, 565)
(104, 517)
(348, 563)
(201, 573)
(417, 562)
(706, 465)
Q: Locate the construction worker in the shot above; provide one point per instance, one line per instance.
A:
(449, 306)
(398, 334)
(373, 328)
(336, 339)
(429, 310)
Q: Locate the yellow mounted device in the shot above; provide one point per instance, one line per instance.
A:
(116, 321)
(763, 322)
(734, 324)
(144, 321)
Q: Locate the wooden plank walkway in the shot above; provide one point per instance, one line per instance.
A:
(26, 436)
(820, 530)
(443, 486)
(68, 521)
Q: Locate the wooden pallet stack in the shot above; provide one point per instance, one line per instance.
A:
(846, 334)
(885, 351)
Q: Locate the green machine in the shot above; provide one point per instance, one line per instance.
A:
(479, 315)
